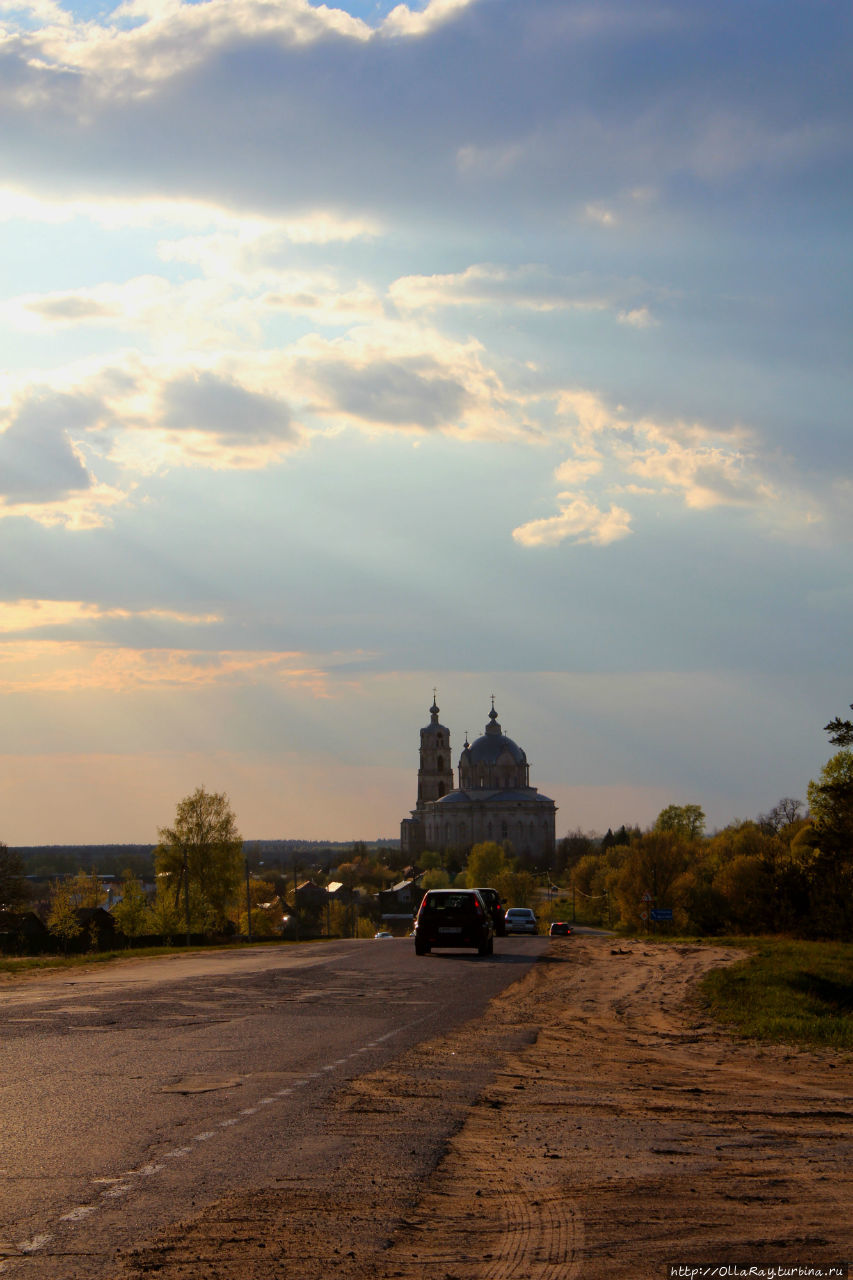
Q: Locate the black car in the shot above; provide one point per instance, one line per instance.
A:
(492, 899)
(453, 918)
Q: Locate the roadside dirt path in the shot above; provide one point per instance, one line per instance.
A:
(622, 1133)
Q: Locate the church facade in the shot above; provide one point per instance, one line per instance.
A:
(493, 801)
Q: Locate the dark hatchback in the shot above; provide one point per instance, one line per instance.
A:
(453, 918)
(492, 899)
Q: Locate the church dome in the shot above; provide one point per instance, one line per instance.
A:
(489, 750)
(493, 745)
(493, 759)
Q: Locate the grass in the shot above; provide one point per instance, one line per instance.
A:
(14, 965)
(785, 992)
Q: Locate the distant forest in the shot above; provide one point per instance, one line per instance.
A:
(44, 861)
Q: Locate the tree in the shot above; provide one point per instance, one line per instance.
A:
(784, 813)
(132, 914)
(63, 920)
(436, 878)
(266, 910)
(840, 731)
(686, 820)
(486, 863)
(13, 886)
(831, 805)
(651, 867)
(166, 914)
(86, 890)
(205, 847)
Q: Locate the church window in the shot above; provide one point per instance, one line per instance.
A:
(440, 763)
(441, 788)
(503, 831)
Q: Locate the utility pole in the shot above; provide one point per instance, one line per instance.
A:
(186, 874)
(248, 902)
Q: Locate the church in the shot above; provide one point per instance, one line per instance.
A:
(494, 799)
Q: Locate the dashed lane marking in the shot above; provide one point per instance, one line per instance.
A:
(113, 1188)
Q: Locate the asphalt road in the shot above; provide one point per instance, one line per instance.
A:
(134, 1095)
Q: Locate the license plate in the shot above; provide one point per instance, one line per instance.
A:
(445, 929)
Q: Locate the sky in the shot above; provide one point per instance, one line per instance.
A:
(500, 347)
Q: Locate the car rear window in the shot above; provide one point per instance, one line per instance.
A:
(448, 901)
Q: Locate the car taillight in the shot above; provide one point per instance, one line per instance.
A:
(478, 908)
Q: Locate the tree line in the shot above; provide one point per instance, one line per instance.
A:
(789, 870)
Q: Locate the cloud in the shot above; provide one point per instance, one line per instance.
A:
(22, 616)
(531, 287)
(637, 317)
(403, 21)
(38, 462)
(550, 108)
(212, 405)
(579, 520)
(65, 667)
(600, 215)
(702, 466)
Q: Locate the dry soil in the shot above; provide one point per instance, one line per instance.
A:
(624, 1132)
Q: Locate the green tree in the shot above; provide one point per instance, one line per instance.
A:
(831, 803)
(487, 862)
(86, 889)
(132, 914)
(651, 867)
(266, 910)
(205, 846)
(437, 878)
(686, 820)
(166, 913)
(62, 918)
(13, 887)
(840, 731)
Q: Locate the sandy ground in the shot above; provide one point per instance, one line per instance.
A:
(621, 1132)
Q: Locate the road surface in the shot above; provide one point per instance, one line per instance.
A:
(137, 1094)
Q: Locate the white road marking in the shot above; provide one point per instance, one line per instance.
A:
(115, 1187)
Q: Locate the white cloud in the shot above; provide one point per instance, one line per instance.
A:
(579, 520)
(18, 616)
(637, 317)
(403, 21)
(600, 215)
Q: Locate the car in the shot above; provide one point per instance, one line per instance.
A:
(520, 920)
(559, 929)
(453, 918)
(383, 933)
(492, 899)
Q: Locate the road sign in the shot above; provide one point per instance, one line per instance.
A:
(661, 913)
(647, 897)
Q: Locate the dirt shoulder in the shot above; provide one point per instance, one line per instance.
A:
(621, 1132)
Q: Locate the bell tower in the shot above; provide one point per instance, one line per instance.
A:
(435, 772)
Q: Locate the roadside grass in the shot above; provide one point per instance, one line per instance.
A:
(11, 966)
(785, 992)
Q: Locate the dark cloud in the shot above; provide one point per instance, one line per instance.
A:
(403, 392)
(505, 108)
(71, 308)
(207, 402)
(37, 459)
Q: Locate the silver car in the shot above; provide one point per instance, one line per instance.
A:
(520, 920)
